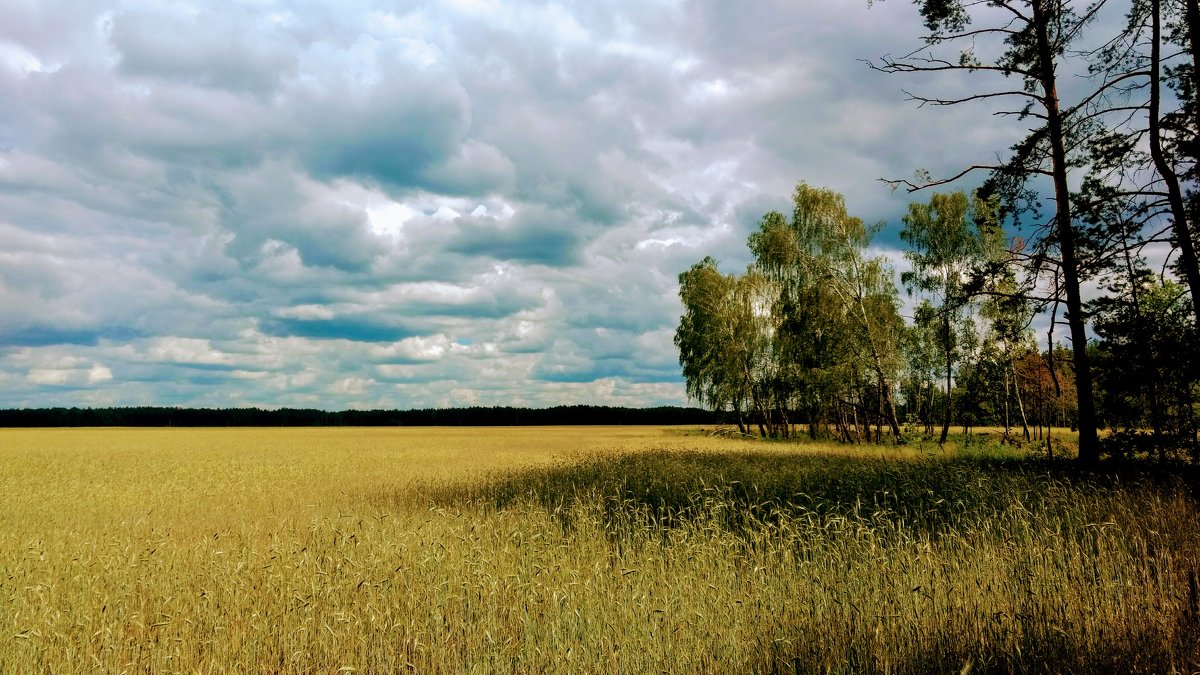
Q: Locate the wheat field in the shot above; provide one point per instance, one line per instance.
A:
(571, 549)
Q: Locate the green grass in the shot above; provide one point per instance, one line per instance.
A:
(584, 551)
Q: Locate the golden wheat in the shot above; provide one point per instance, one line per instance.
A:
(572, 549)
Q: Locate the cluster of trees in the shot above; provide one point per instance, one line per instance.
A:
(144, 416)
(1099, 192)
(812, 330)
(810, 339)
(812, 336)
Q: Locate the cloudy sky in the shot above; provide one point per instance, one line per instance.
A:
(363, 204)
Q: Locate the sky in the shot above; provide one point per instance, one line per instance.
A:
(361, 204)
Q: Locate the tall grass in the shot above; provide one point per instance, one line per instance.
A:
(584, 550)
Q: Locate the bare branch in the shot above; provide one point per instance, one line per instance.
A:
(1103, 88)
(1010, 8)
(975, 33)
(913, 64)
(923, 101)
(910, 186)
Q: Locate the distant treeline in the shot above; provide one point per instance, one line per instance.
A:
(290, 417)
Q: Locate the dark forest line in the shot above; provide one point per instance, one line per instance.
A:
(151, 416)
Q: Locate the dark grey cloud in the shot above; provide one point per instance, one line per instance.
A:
(397, 131)
(351, 329)
(535, 235)
(35, 335)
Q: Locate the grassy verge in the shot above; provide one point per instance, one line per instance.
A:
(643, 553)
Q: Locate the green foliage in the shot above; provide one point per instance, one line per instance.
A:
(1147, 367)
(948, 238)
(725, 338)
(943, 15)
(812, 329)
(709, 367)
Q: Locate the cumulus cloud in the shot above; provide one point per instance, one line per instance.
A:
(69, 372)
(224, 49)
(472, 203)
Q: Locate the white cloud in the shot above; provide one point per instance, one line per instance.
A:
(19, 60)
(431, 348)
(99, 373)
(185, 350)
(352, 386)
(307, 312)
(50, 376)
(69, 376)
(388, 219)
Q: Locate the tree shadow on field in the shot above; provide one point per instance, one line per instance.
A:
(812, 500)
(737, 490)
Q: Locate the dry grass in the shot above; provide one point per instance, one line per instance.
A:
(577, 549)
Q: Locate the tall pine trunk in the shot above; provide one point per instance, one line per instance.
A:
(1089, 442)
(1181, 225)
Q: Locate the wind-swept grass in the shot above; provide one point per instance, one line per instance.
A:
(584, 550)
